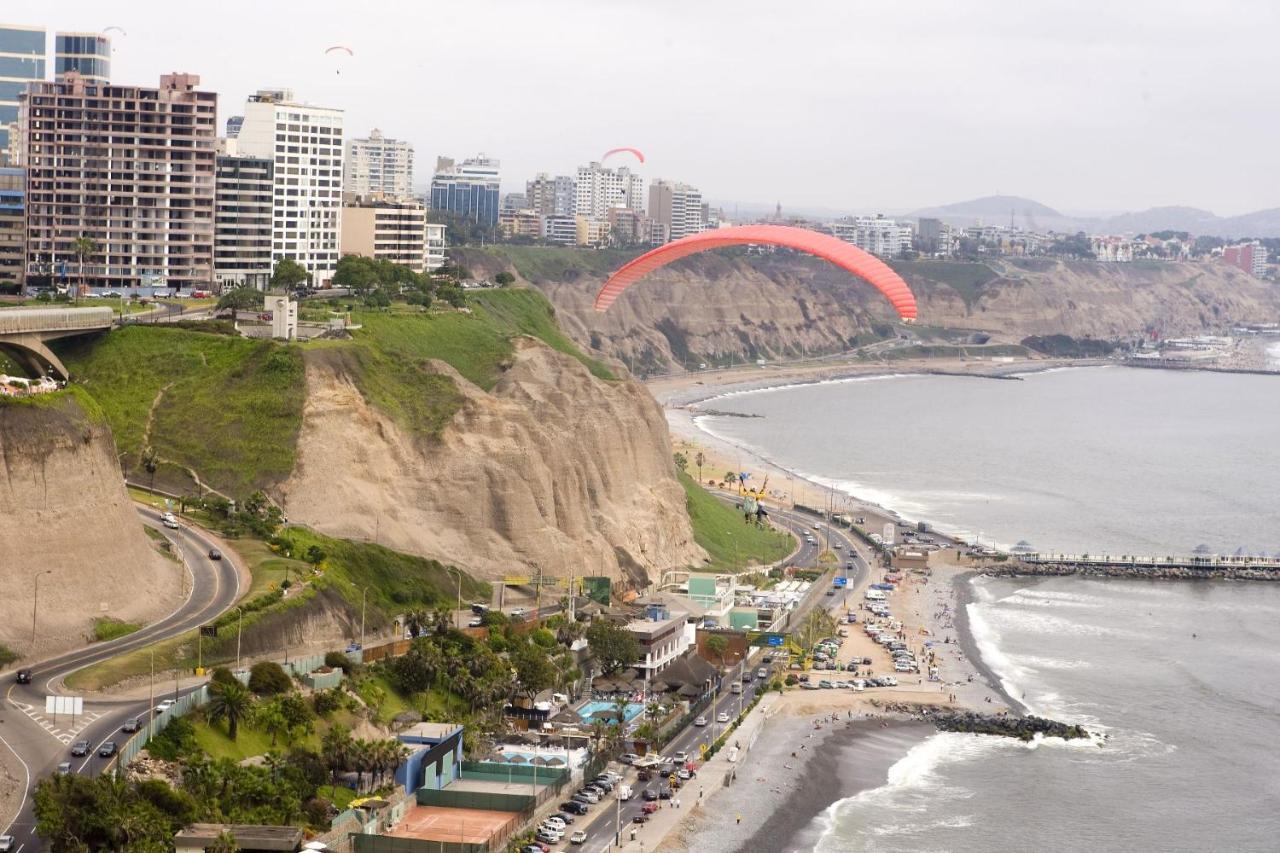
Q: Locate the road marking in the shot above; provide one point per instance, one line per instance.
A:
(26, 787)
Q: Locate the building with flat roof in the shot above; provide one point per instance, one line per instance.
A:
(677, 208)
(88, 54)
(249, 838)
(468, 189)
(140, 185)
(243, 188)
(663, 634)
(551, 196)
(22, 60)
(386, 230)
(599, 188)
(305, 144)
(379, 165)
(885, 238)
(1250, 257)
(13, 227)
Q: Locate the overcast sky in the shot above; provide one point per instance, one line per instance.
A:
(840, 104)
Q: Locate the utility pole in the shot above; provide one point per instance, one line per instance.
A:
(35, 599)
(151, 699)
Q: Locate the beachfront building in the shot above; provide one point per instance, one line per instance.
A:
(242, 219)
(677, 209)
(551, 196)
(377, 165)
(141, 186)
(387, 230)
(664, 634)
(468, 189)
(885, 238)
(304, 143)
(1250, 257)
(598, 188)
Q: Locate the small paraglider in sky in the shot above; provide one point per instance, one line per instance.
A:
(639, 155)
(120, 30)
(338, 51)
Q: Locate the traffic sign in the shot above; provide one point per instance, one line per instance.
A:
(840, 581)
(702, 749)
(774, 640)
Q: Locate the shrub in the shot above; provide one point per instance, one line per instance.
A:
(221, 675)
(338, 660)
(268, 678)
(7, 656)
(176, 743)
(325, 702)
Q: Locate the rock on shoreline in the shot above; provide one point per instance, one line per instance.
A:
(1022, 728)
(1243, 573)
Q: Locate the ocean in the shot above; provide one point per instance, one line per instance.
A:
(1183, 678)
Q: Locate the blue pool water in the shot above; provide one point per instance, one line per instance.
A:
(633, 710)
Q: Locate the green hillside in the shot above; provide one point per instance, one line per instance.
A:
(720, 530)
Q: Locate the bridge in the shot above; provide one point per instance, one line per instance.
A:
(24, 333)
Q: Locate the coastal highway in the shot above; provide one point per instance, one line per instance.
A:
(42, 742)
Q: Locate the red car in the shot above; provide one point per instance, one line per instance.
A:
(649, 808)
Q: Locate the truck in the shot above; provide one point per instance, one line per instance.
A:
(624, 792)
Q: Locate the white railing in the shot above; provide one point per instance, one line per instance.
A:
(20, 320)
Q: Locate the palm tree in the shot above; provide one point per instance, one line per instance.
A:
(717, 646)
(83, 246)
(599, 728)
(415, 619)
(336, 750)
(225, 842)
(699, 460)
(230, 700)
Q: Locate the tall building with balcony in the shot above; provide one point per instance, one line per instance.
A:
(378, 165)
(434, 255)
(597, 189)
(242, 220)
(22, 60)
(468, 189)
(1250, 257)
(130, 167)
(885, 238)
(12, 227)
(89, 54)
(386, 230)
(677, 208)
(304, 143)
(551, 196)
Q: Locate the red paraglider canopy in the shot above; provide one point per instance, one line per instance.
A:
(842, 254)
(636, 151)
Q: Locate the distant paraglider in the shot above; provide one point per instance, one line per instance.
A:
(339, 49)
(866, 266)
(639, 155)
(120, 30)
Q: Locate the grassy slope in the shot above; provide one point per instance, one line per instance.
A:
(231, 408)
(719, 529)
(965, 278)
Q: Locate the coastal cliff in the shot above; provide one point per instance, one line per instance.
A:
(552, 467)
(69, 520)
(715, 307)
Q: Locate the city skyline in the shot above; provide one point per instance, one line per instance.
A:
(1036, 103)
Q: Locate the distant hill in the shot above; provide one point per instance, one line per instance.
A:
(1000, 210)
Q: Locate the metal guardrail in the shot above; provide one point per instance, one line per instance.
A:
(36, 320)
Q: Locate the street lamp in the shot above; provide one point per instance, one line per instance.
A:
(35, 598)
(239, 628)
(364, 590)
(459, 571)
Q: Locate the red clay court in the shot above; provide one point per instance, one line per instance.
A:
(441, 823)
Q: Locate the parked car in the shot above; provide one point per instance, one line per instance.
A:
(80, 748)
(574, 807)
(684, 773)
(546, 835)
(589, 795)
(107, 750)
(563, 817)
(640, 818)
(556, 822)
(649, 808)
(664, 793)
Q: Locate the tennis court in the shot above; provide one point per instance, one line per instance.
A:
(440, 823)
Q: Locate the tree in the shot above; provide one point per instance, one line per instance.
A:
(150, 464)
(270, 719)
(242, 298)
(534, 671)
(612, 646)
(315, 555)
(288, 275)
(335, 749)
(504, 278)
(84, 246)
(267, 678)
(229, 701)
(682, 461)
(699, 460)
(221, 675)
(717, 645)
(730, 478)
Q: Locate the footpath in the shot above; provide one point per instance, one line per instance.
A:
(720, 771)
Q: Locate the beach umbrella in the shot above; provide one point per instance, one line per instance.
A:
(516, 758)
(539, 760)
(555, 762)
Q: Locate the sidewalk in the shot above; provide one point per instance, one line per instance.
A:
(717, 772)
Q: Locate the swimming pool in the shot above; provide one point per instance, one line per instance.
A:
(632, 711)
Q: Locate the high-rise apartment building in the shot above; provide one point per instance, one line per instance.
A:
(885, 238)
(469, 189)
(377, 165)
(677, 207)
(22, 60)
(1250, 257)
(551, 196)
(86, 53)
(12, 227)
(305, 144)
(242, 220)
(434, 257)
(599, 189)
(234, 123)
(386, 230)
(130, 167)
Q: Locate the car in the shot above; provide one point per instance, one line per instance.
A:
(808, 685)
(888, 681)
(645, 774)
(824, 684)
(604, 785)
(164, 706)
(649, 795)
(574, 807)
(681, 756)
(479, 609)
(581, 799)
(563, 817)
(650, 808)
(722, 717)
(556, 822)
(664, 793)
(170, 523)
(23, 676)
(63, 768)
(579, 837)
(700, 721)
(762, 673)
(107, 750)
(640, 818)
(903, 667)
(684, 773)
(830, 592)
(629, 758)
(517, 611)
(548, 836)
(80, 748)
(6, 843)
(589, 795)
(132, 724)
(215, 554)
(475, 622)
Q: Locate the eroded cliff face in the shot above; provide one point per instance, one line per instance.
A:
(68, 518)
(705, 307)
(552, 468)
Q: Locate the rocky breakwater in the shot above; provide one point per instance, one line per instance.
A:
(552, 468)
(1218, 572)
(1023, 728)
(68, 520)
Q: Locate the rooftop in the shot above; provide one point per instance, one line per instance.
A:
(248, 837)
(431, 731)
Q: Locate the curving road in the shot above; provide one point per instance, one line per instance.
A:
(42, 743)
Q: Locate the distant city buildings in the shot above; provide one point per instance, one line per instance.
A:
(234, 123)
(88, 54)
(305, 144)
(551, 196)
(148, 205)
(468, 189)
(378, 165)
(1250, 257)
(598, 188)
(243, 209)
(676, 210)
(22, 60)
(12, 226)
(885, 238)
(386, 229)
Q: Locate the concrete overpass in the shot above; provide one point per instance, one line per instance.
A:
(25, 331)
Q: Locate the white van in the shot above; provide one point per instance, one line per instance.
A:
(736, 687)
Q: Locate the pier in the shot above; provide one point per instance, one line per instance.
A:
(1104, 565)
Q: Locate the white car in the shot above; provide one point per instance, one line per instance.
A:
(170, 522)
(164, 706)
(680, 757)
(6, 843)
(578, 837)
(701, 721)
(889, 681)
(722, 717)
(554, 821)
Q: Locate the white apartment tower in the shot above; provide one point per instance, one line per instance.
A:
(885, 238)
(677, 208)
(379, 165)
(305, 144)
(599, 189)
